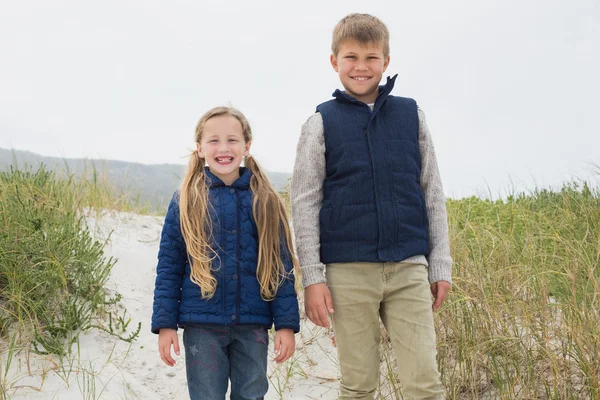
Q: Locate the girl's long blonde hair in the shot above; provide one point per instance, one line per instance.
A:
(274, 236)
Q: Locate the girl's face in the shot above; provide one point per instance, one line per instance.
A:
(223, 146)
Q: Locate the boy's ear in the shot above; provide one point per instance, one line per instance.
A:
(334, 63)
(386, 63)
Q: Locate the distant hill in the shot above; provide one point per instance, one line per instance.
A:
(154, 183)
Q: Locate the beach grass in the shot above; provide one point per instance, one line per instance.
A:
(522, 320)
(52, 270)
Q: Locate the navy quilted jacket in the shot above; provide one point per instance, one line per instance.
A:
(178, 301)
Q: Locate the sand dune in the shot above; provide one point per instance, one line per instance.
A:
(104, 367)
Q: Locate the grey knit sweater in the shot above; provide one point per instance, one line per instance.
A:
(307, 198)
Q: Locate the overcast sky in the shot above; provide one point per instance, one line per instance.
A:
(510, 88)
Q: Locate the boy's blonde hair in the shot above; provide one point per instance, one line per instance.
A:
(363, 28)
(267, 207)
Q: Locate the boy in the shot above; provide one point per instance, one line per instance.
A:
(367, 201)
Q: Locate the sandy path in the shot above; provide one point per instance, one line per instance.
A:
(107, 368)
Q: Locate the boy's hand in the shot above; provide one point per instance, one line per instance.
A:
(439, 290)
(285, 345)
(317, 303)
(166, 338)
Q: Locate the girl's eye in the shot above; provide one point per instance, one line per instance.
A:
(233, 140)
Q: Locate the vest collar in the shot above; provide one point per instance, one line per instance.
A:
(243, 182)
(384, 91)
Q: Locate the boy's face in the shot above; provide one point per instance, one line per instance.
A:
(360, 67)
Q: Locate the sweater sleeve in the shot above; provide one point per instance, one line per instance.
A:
(439, 259)
(307, 199)
(172, 257)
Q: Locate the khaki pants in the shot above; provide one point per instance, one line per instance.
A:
(400, 294)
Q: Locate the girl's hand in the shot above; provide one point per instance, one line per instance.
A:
(285, 345)
(166, 338)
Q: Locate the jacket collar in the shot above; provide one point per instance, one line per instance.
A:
(384, 91)
(243, 182)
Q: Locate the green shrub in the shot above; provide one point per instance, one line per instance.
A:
(52, 272)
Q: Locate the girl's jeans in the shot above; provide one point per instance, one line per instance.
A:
(216, 354)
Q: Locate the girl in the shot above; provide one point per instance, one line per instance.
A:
(225, 267)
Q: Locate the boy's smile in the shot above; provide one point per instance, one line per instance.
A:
(360, 67)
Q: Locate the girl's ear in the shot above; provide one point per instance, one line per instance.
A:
(199, 150)
(247, 151)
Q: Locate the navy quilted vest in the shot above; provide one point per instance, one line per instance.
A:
(373, 206)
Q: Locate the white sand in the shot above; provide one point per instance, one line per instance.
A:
(108, 368)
